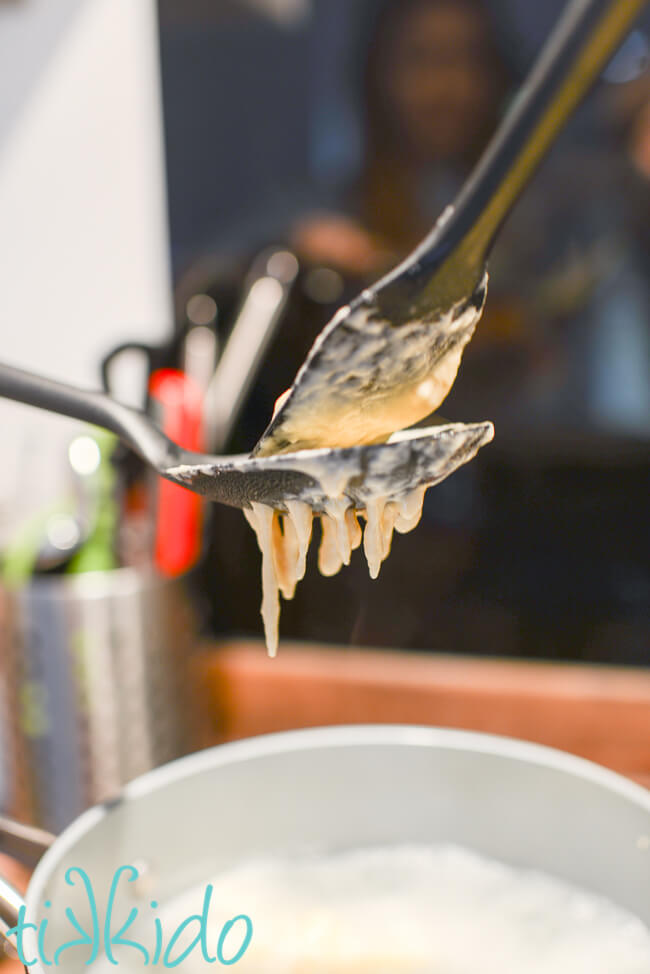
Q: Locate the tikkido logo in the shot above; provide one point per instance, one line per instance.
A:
(233, 942)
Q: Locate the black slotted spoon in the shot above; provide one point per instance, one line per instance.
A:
(414, 459)
(368, 354)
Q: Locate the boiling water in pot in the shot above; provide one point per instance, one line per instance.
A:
(415, 909)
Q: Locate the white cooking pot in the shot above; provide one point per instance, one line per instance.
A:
(343, 787)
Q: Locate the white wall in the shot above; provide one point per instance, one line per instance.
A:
(83, 222)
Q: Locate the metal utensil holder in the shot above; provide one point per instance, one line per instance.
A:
(96, 672)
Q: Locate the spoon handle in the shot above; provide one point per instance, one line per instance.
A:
(449, 263)
(132, 427)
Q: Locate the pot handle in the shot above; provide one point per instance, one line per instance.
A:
(26, 844)
(10, 903)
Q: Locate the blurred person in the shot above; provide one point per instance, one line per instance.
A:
(433, 86)
(432, 89)
(434, 83)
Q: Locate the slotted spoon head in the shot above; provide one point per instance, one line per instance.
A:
(410, 459)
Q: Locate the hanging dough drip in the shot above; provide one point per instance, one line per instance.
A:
(284, 542)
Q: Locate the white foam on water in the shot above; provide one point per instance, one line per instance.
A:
(416, 909)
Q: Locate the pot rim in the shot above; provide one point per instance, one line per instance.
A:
(345, 735)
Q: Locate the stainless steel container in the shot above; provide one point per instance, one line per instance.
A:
(346, 787)
(95, 682)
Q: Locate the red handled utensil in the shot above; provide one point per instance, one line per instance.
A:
(177, 407)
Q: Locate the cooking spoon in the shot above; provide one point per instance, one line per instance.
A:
(380, 351)
(388, 359)
(412, 459)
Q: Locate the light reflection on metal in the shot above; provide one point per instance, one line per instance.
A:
(274, 274)
(84, 455)
(201, 309)
(288, 13)
(630, 61)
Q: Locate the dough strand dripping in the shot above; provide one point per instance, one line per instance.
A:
(354, 528)
(284, 538)
(410, 510)
(373, 545)
(337, 510)
(260, 518)
(285, 553)
(329, 556)
(302, 518)
(389, 516)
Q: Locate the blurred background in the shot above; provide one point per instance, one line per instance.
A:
(341, 130)
(153, 163)
(189, 189)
